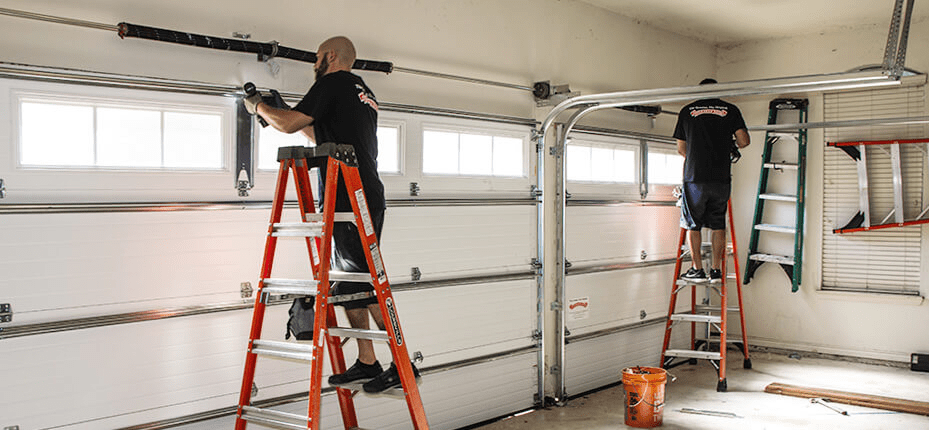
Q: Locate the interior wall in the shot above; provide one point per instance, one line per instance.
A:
(855, 324)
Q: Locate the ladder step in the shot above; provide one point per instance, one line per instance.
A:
(768, 258)
(781, 166)
(359, 333)
(686, 353)
(301, 287)
(396, 392)
(708, 308)
(335, 275)
(339, 217)
(272, 418)
(776, 228)
(290, 350)
(794, 134)
(696, 318)
(298, 229)
(779, 197)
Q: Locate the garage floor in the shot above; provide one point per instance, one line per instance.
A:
(695, 388)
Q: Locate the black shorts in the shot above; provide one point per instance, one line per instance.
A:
(704, 205)
(348, 255)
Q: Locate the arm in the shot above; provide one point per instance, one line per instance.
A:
(742, 138)
(309, 133)
(284, 120)
(682, 147)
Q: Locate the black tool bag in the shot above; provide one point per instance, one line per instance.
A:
(302, 315)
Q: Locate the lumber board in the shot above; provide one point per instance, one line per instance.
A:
(849, 398)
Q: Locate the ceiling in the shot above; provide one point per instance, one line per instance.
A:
(723, 22)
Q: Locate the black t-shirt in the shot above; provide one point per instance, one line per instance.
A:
(708, 127)
(344, 111)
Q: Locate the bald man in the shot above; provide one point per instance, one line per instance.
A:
(340, 108)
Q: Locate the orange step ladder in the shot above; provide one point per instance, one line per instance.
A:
(714, 316)
(316, 228)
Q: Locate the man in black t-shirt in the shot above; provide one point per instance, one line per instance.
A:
(704, 132)
(340, 108)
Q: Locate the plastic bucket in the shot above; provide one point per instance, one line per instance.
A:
(643, 389)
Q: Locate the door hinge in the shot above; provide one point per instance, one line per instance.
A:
(2, 189)
(246, 289)
(535, 191)
(414, 189)
(416, 274)
(6, 313)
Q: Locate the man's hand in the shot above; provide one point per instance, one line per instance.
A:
(252, 98)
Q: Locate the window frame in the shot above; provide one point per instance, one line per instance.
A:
(28, 183)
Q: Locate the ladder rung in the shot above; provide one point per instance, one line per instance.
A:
(396, 392)
(703, 355)
(779, 197)
(768, 258)
(780, 166)
(776, 228)
(684, 282)
(290, 286)
(341, 298)
(277, 349)
(696, 318)
(359, 333)
(298, 229)
(709, 308)
(274, 418)
(339, 217)
(335, 275)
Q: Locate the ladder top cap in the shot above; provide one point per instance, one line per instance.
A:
(342, 152)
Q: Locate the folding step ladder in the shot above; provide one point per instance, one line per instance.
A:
(316, 229)
(715, 316)
(792, 264)
(861, 221)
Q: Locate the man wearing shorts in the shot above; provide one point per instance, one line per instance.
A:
(704, 132)
(340, 108)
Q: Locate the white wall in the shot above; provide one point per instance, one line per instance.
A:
(842, 323)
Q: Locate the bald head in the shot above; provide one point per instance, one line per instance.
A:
(339, 52)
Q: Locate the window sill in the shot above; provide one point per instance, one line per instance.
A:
(882, 298)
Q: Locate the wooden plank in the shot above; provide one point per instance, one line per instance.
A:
(858, 399)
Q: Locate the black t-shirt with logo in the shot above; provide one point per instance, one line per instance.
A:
(344, 111)
(708, 127)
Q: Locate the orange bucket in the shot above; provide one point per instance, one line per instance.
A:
(643, 389)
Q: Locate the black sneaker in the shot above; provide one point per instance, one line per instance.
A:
(388, 379)
(694, 275)
(716, 276)
(359, 371)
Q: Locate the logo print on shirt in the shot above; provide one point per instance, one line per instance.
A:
(709, 111)
(366, 98)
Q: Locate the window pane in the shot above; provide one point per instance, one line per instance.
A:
(128, 137)
(508, 156)
(440, 152)
(388, 149)
(578, 163)
(476, 154)
(269, 140)
(665, 168)
(193, 140)
(70, 142)
(624, 165)
(601, 164)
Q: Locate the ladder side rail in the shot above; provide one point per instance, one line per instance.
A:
(673, 301)
(251, 358)
(800, 204)
(307, 205)
(723, 303)
(385, 299)
(754, 233)
(320, 324)
(738, 284)
(864, 202)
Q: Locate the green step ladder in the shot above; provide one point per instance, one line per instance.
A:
(791, 264)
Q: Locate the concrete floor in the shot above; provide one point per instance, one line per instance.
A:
(695, 388)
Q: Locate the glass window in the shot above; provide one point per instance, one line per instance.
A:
(388, 148)
(471, 154)
(90, 133)
(665, 167)
(599, 163)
